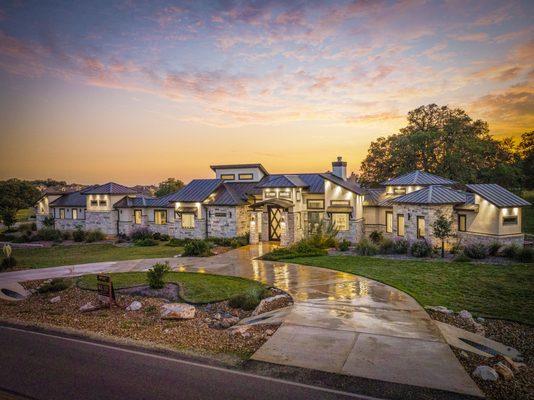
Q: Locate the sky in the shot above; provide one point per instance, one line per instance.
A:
(138, 91)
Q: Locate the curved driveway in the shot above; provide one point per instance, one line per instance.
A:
(340, 322)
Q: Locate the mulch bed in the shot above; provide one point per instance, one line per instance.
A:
(519, 336)
(195, 334)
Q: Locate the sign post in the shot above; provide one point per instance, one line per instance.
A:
(106, 293)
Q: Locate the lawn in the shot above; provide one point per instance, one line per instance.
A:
(88, 253)
(491, 290)
(25, 214)
(196, 287)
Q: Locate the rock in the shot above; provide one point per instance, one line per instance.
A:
(88, 307)
(479, 329)
(217, 316)
(134, 306)
(504, 371)
(246, 335)
(262, 307)
(269, 332)
(514, 366)
(440, 309)
(485, 373)
(166, 331)
(228, 322)
(56, 299)
(239, 330)
(465, 314)
(177, 311)
(464, 354)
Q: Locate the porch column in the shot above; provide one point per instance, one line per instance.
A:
(254, 236)
(285, 240)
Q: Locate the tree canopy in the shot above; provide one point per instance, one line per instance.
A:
(15, 195)
(168, 186)
(447, 142)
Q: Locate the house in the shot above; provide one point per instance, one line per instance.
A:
(246, 199)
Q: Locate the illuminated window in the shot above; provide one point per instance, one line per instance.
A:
(399, 190)
(284, 195)
(420, 227)
(138, 217)
(400, 224)
(389, 221)
(228, 177)
(461, 222)
(102, 203)
(74, 213)
(270, 194)
(160, 217)
(341, 221)
(94, 203)
(509, 220)
(61, 213)
(188, 220)
(315, 204)
(340, 203)
(246, 177)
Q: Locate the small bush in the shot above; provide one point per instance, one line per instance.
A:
(387, 246)
(249, 300)
(476, 251)
(49, 234)
(197, 248)
(7, 263)
(178, 242)
(366, 248)
(94, 236)
(234, 242)
(29, 227)
(164, 237)
(66, 235)
(525, 255)
(344, 245)
(78, 235)
(145, 242)
(324, 237)
(156, 274)
(55, 285)
(376, 237)
(300, 249)
(49, 222)
(156, 236)
(24, 238)
(400, 246)
(421, 248)
(456, 248)
(141, 233)
(461, 257)
(493, 249)
(510, 251)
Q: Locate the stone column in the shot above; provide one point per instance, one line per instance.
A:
(284, 235)
(254, 236)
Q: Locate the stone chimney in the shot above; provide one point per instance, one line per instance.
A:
(339, 168)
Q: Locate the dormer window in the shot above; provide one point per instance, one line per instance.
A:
(102, 203)
(399, 191)
(228, 177)
(284, 195)
(94, 203)
(246, 177)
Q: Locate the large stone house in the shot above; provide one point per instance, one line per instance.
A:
(245, 199)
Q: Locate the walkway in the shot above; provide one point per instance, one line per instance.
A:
(340, 322)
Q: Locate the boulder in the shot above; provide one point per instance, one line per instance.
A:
(485, 373)
(88, 307)
(440, 309)
(514, 366)
(504, 371)
(177, 311)
(228, 322)
(239, 330)
(134, 306)
(269, 332)
(56, 299)
(479, 329)
(264, 304)
(465, 314)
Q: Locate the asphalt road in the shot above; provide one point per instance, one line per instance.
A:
(45, 366)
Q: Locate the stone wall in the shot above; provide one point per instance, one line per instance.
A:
(104, 221)
(39, 218)
(198, 232)
(222, 221)
(466, 238)
(243, 220)
(431, 213)
(69, 224)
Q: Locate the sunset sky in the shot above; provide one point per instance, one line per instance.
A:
(138, 91)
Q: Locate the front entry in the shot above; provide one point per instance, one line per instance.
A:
(275, 220)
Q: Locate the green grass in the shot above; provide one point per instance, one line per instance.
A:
(88, 253)
(528, 213)
(491, 290)
(196, 287)
(25, 214)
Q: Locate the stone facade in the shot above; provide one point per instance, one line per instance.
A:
(198, 232)
(430, 213)
(467, 238)
(228, 222)
(39, 218)
(104, 221)
(69, 224)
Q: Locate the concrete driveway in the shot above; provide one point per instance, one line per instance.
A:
(340, 322)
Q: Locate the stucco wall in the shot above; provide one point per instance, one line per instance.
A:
(375, 219)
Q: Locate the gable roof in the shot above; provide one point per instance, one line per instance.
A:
(195, 191)
(350, 186)
(497, 195)
(109, 188)
(418, 178)
(238, 166)
(234, 193)
(282, 181)
(75, 199)
(140, 201)
(432, 195)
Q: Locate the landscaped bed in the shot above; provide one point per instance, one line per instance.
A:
(206, 334)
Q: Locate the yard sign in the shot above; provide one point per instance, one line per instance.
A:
(106, 293)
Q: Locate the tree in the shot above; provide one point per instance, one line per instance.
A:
(526, 154)
(168, 186)
(9, 216)
(442, 229)
(15, 195)
(442, 141)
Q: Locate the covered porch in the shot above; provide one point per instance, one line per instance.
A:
(273, 220)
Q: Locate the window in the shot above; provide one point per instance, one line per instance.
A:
(420, 227)
(246, 177)
(270, 194)
(314, 220)
(341, 221)
(102, 203)
(389, 221)
(228, 177)
(400, 224)
(138, 217)
(220, 214)
(94, 203)
(74, 213)
(509, 220)
(461, 222)
(61, 213)
(299, 196)
(160, 217)
(399, 190)
(284, 195)
(188, 220)
(315, 204)
(340, 203)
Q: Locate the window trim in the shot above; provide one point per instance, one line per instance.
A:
(422, 218)
(513, 218)
(403, 225)
(314, 208)
(399, 191)
(460, 216)
(94, 203)
(346, 216)
(390, 230)
(182, 221)
(62, 211)
(340, 203)
(225, 177)
(270, 195)
(135, 211)
(102, 203)
(242, 176)
(166, 217)
(74, 211)
(282, 195)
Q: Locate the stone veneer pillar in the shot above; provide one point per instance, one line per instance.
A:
(284, 231)
(254, 235)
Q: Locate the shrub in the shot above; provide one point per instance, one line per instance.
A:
(421, 248)
(510, 251)
(94, 236)
(141, 233)
(376, 237)
(400, 246)
(525, 255)
(178, 242)
(456, 248)
(29, 227)
(24, 238)
(164, 237)
(493, 249)
(344, 245)
(78, 235)
(249, 300)
(155, 275)
(324, 237)
(8, 261)
(197, 248)
(366, 248)
(387, 246)
(461, 257)
(49, 222)
(55, 285)
(145, 242)
(476, 251)
(234, 242)
(66, 235)
(49, 234)
(300, 249)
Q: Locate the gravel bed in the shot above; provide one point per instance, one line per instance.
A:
(519, 336)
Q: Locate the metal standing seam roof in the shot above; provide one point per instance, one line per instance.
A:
(432, 195)
(282, 181)
(132, 202)
(497, 195)
(418, 178)
(75, 199)
(234, 193)
(350, 186)
(109, 188)
(195, 191)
